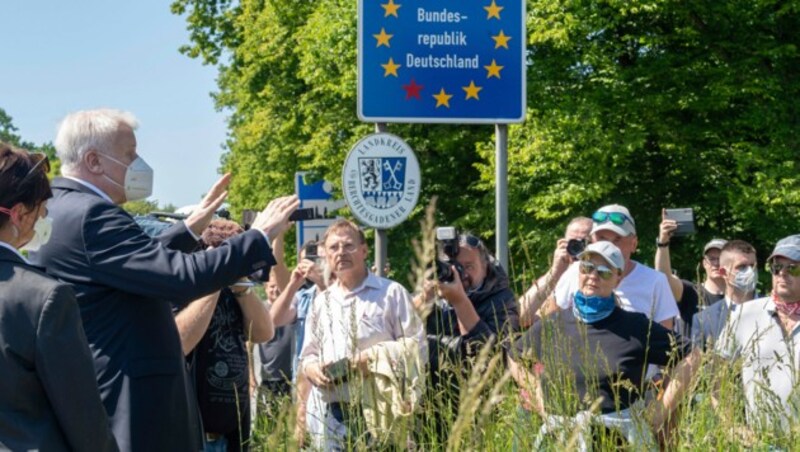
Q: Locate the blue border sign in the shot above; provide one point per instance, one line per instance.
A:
(448, 61)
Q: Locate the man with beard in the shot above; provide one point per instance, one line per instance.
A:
(478, 309)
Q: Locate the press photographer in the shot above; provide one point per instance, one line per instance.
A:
(477, 308)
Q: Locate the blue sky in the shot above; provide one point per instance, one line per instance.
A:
(62, 56)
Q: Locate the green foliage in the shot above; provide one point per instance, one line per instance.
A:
(648, 103)
(8, 134)
(145, 206)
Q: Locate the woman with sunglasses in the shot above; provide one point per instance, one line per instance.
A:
(592, 359)
(51, 400)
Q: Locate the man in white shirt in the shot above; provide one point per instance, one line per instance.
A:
(765, 335)
(348, 322)
(642, 289)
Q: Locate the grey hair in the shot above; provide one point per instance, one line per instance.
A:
(83, 130)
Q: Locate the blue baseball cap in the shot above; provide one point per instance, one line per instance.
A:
(788, 247)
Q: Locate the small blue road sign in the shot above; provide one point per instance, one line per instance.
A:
(448, 61)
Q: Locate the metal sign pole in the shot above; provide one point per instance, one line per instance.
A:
(381, 240)
(501, 194)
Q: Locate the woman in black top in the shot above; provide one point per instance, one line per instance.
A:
(593, 358)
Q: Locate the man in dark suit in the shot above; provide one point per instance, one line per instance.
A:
(737, 266)
(123, 279)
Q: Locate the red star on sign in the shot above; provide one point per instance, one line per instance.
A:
(412, 89)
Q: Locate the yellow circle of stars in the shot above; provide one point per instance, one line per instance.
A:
(471, 91)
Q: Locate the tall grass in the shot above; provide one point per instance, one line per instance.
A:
(489, 417)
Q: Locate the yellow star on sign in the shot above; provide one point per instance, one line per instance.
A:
(493, 70)
(442, 99)
(493, 10)
(383, 38)
(472, 90)
(391, 8)
(501, 40)
(390, 68)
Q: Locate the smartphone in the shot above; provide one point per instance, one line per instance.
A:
(303, 214)
(337, 371)
(685, 219)
(312, 252)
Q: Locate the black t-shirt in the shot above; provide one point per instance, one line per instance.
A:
(220, 367)
(691, 303)
(580, 362)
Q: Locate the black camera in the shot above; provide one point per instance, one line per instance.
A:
(575, 247)
(447, 244)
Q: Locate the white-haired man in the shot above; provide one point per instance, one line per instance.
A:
(124, 280)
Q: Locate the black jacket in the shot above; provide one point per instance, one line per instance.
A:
(498, 311)
(49, 399)
(122, 280)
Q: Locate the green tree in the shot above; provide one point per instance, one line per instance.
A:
(8, 134)
(648, 103)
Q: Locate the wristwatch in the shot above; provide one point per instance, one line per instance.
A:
(662, 244)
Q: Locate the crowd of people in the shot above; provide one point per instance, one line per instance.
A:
(114, 338)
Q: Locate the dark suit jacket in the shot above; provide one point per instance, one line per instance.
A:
(49, 399)
(708, 324)
(122, 279)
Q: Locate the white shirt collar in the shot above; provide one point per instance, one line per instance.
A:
(92, 187)
(14, 250)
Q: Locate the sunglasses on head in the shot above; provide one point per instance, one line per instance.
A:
(617, 218)
(602, 271)
(41, 161)
(470, 240)
(791, 269)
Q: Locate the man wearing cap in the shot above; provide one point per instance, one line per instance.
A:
(691, 297)
(765, 335)
(737, 268)
(642, 289)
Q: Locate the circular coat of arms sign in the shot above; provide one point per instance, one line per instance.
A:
(381, 180)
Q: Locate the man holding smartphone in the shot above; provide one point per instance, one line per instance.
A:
(691, 297)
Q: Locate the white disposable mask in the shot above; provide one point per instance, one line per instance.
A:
(138, 179)
(745, 280)
(42, 230)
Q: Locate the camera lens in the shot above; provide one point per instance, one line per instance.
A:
(575, 247)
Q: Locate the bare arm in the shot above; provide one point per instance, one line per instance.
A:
(282, 312)
(279, 271)
(257, 320)
(530, 383)
(663, 261)
(533, 299)
(680, 380)
(193, 321)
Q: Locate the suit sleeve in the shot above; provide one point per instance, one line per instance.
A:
(122, 256)
(65, 367)
(178, 237)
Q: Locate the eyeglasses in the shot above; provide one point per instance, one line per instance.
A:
(617, 218)
(347, 248)
(791, 269)
(714, 261)
(602, 271)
